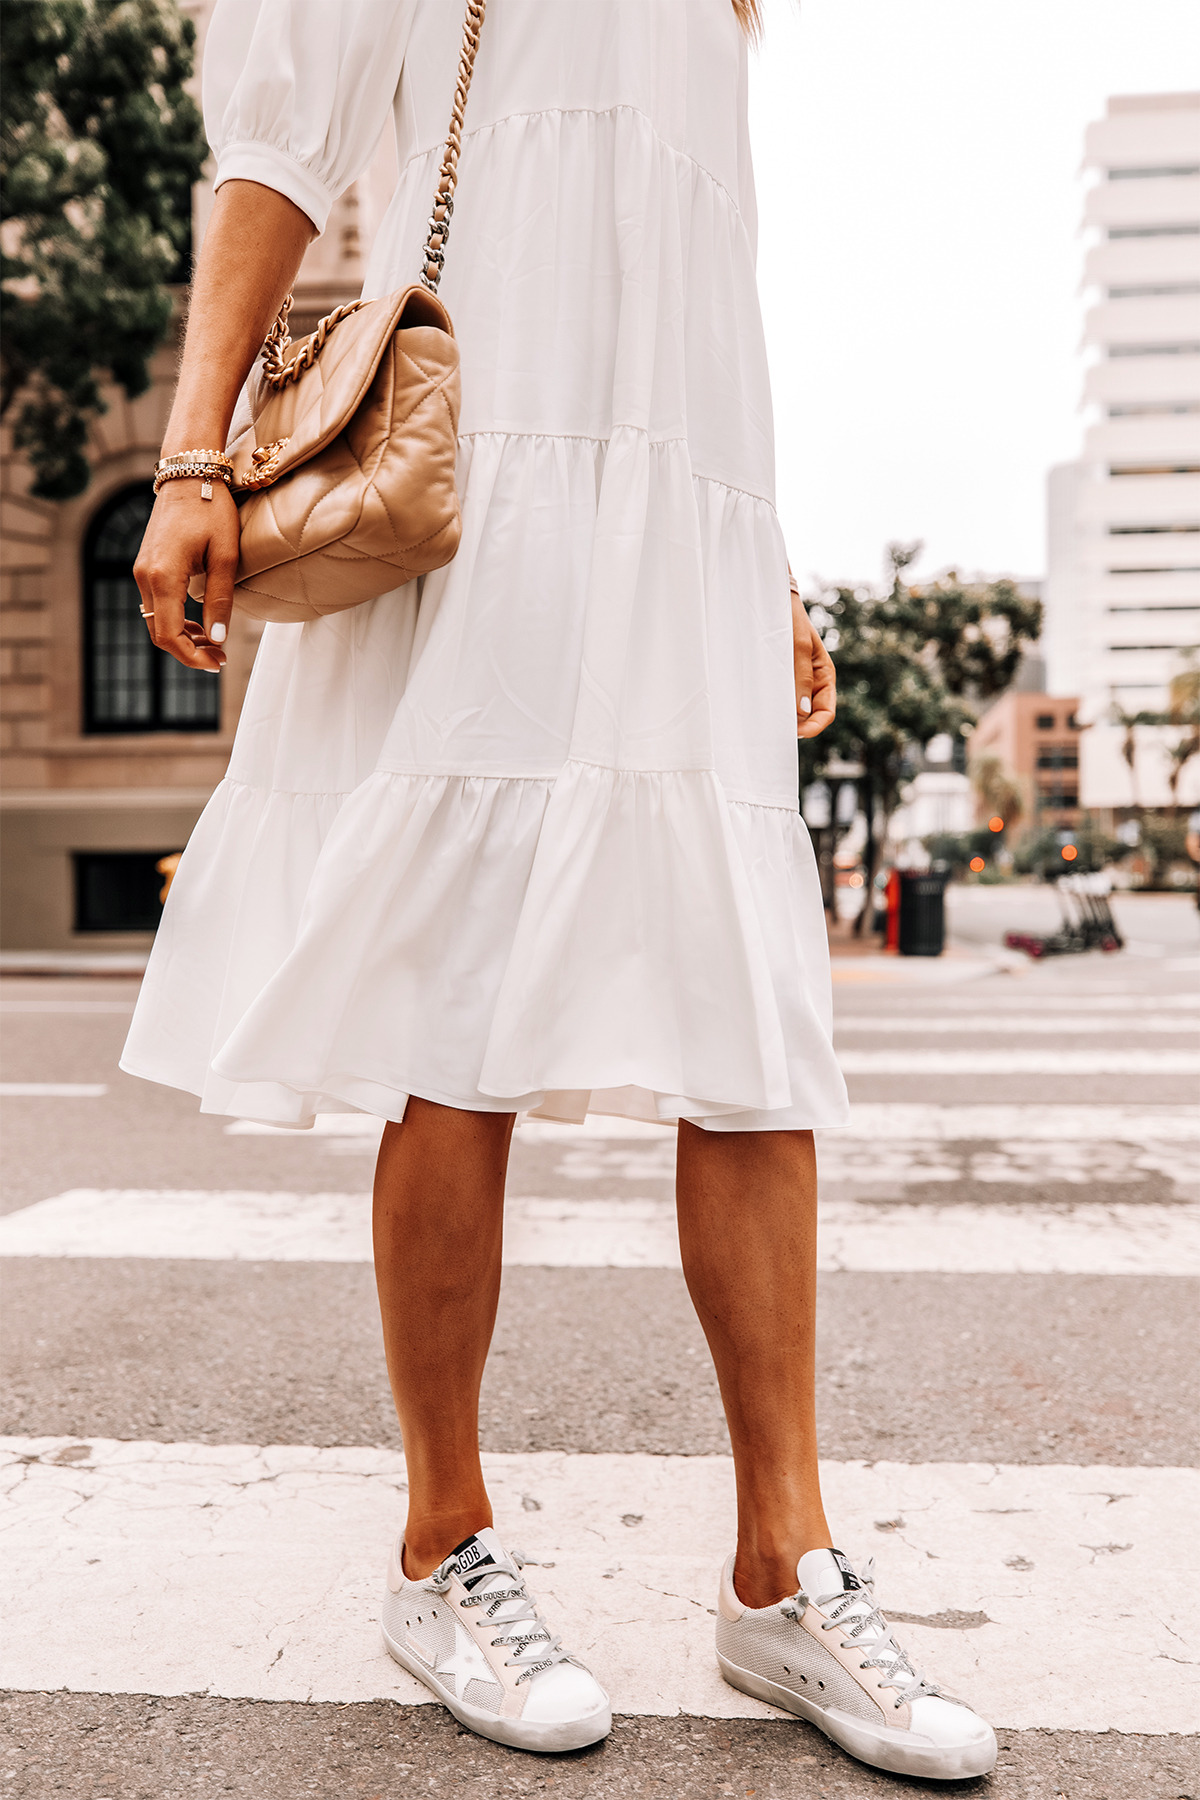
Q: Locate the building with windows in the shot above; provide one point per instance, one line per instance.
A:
(1123, 580)
(111, 748)
(1037, 738)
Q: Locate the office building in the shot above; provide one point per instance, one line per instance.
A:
(1123, 578)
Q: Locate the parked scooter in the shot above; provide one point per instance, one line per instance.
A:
(1087, 921)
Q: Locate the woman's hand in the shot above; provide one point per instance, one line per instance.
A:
(188, 536)
(816, 680)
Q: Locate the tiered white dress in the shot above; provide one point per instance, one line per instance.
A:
(523, 835)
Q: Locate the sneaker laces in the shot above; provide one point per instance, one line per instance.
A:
(509, 1604)
(867, 1629)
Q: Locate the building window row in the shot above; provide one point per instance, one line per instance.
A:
(1150, 530)
(1153, 231)
(1059, 799)
(1153, 174)
(1157, 409)
(1153, 290)
(1173, 611)
(1192, 349)
(1058, 756)
(1154, 469)
(1156, 569)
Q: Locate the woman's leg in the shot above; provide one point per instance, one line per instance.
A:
(747, 1204)
(439, 1215)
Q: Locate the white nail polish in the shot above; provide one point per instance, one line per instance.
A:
(805, 703)
(217, 634)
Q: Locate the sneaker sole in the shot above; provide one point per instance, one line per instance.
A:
(569, 1734)
(880, 1749)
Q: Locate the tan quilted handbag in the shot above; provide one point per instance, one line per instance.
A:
(345, 479)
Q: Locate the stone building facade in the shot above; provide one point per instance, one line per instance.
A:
(107, 756)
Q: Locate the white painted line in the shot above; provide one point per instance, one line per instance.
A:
(881, 1123)
(1145, 1238)
(52, 1090)
(184, 1568)
(533, 1131)
(887, 1163)
(1020, 1062)
(67, 1006)
(993, 1024)
(876, 1122)
(325, 1125)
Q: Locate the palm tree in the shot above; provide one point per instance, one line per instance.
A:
(997, 789)
(1183, 709)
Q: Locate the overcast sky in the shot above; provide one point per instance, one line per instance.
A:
(919, 259)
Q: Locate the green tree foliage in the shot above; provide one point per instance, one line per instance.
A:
(100, 146)
(913, 662)
(1041, 853)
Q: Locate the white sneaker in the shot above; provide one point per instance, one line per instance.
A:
(828, 1654)
(473, 1634)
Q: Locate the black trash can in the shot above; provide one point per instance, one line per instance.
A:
(922, 926)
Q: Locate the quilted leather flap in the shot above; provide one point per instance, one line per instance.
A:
(302, 418)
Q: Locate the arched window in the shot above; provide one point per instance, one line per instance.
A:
(128, 685)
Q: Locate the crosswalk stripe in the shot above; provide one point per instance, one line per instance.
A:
(1141, 1238)
(52, 1090)
(1020, 1062)
(872, 1122)
(80, 1007)
(992, 1024)
(232, 1570)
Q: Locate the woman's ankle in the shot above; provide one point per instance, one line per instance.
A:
(429, 1541)
(764, 1568)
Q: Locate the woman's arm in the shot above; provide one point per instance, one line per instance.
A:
(251, 252)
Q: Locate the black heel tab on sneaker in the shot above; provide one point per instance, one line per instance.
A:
(850, 1582)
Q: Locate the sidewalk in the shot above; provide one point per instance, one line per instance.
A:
(862, 959)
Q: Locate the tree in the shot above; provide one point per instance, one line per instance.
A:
(912, 662)
(997, 788)
(1130, 722)
(100, 146)
(1183, 710)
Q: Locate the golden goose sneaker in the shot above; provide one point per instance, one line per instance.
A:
(473, 1634)
(828, 1654)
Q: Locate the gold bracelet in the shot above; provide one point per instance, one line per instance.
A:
(193, 468)
(206, 465)
(205, 473)
(194, 456)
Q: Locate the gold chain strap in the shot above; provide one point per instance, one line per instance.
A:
(443, 200)
(276, 372)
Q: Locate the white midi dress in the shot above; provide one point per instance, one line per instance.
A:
(523, 835)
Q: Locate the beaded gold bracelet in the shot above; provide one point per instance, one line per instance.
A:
(206, 466)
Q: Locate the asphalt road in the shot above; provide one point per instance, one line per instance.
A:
(1040, 1355)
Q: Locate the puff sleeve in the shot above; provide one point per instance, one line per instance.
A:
(297, 92)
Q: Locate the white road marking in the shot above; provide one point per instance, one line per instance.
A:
(325, 1125)
(991, 1024)
(184, 1568)
(887, 1166)
(1020, 1062)
(52, 1090)
(876, 1122)
(67, 1006)
(879, 1122)
(1140, 1238)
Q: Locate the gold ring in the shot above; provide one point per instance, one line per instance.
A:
(146, 615)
